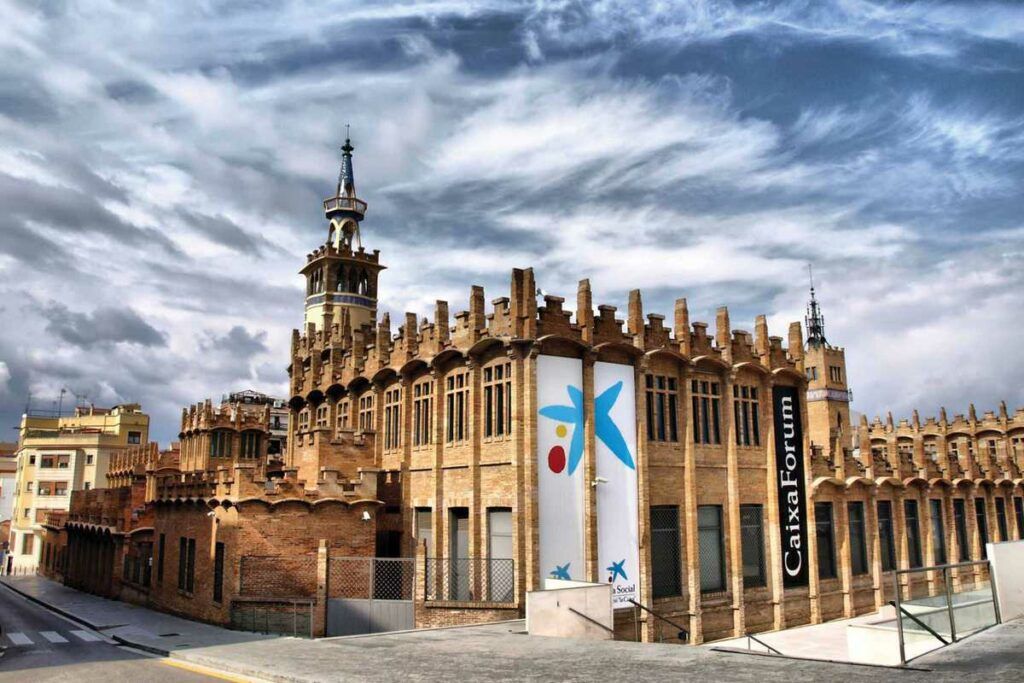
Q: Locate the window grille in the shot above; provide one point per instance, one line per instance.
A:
(666, 563)
(825, 532)
(858, 542)
(938, 531)
(960, 523)
(913, 533)
(711, 549)
(980, 513)
(752, 535)
(885, 535)
(1001, 520)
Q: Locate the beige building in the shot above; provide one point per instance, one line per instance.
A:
(58, 455)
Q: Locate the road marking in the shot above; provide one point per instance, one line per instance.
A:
(53, 636)
(19, 639)
(86, 636)
(207, 671)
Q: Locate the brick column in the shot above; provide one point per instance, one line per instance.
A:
(843, 551)
(645, 597)
(875, 547)
(592, 571)
(530, 568)
(319, 615)
(902, 548)
(689, 517)
(734, 548)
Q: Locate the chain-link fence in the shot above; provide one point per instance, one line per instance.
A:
(666, 555)
(375, 578)
(470, 579)
(276, 576)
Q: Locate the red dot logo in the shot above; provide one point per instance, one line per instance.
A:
(556, 459)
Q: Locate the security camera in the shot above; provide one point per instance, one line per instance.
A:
(366, 516)
(599, 480)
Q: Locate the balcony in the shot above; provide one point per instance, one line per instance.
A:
(345, 204)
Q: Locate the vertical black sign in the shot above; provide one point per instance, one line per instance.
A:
(789, 465)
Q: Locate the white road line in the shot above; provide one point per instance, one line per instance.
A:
(19, 639)
(53, 636)
(86, 636)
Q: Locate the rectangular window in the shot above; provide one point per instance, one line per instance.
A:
(160, 560)
(47, 461)
(88, 458)
(745, 409)
(322, 416)
(218, 573)
(497, 384)
(190, 577)
(711, 548)
(1018, 511)
(913, 533)
(220, 443)
(366, 412)
(44, 487)
(812, 373)
(182, 561)
(885, 536)
(1001, 519)
(425, 529)
(666, 563)
(858, 540)
(980, 513)
(752, 539)
(27, 542)
(63, 461)
(344, 409)
(960, 524)
(826, 540)
(457, 397)
(251, 444)
(707, 427)
(392, 419)
(662, 398)
(422, 413)
(938, 531)
(134, 438)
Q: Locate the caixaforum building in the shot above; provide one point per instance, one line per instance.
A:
(712, 476)
(709, 475)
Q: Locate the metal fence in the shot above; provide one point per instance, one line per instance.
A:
(949, 612)
(376, 578)
(469, 579)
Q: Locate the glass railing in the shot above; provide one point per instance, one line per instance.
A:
(939, 605)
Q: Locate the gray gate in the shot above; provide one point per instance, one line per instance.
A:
(369, 595)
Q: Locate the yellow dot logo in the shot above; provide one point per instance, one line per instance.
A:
(560, 430)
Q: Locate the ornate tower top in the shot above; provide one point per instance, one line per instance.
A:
(815, 321)
(344, 210)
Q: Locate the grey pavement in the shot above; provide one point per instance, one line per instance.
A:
(501, 652)
(38, 645)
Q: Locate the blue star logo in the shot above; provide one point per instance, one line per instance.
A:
(562, 572)
(617, 570)
(604, 426)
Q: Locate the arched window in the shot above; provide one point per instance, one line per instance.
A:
(341, 278)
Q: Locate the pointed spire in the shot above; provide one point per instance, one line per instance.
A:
(815, 321)
(346, 178)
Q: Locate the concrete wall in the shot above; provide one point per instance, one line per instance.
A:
(548, 614)
(1008, 574)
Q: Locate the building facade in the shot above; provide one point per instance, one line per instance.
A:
(59, 455)
(247, 425)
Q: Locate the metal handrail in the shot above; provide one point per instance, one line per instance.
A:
(595, 622)
(920, 623)
(762, 644)
(684, 634)
(936, 567)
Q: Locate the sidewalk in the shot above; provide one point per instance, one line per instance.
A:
(496, 652)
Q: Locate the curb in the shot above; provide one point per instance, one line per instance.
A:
(79, 620)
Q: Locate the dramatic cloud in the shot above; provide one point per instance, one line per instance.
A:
(162, 167)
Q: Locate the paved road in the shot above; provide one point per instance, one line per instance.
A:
(42, 646)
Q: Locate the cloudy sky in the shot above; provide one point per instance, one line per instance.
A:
(162, 167)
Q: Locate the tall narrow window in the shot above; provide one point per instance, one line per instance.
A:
(858, 540)
(1001, 520)
(160, 561)
(425, 529)
(662, 422)
(500, 583)
(182, 561)
(344, 408)
(392, 418)
(220, 443)
(980, 513)
(711, 548)
(190, 577)
(825, 534)
(457, 397)
(218, 573)
(752, 545)
(707, 428)
(422, 413)
(251, 443)
(745, 409)
(1018, 511)
(366, 412)
(960, 524)
(885, 536)
(497, 382)
(913, 532)
(666, 563)
(938, 531)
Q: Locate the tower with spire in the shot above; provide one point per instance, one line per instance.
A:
(341, 276)
(828, 395)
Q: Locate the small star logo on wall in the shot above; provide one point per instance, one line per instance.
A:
(617, 569)
(561, 572)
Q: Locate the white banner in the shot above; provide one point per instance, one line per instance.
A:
(560, 467)
(615, 425)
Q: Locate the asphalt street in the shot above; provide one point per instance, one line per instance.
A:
(38, 645)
